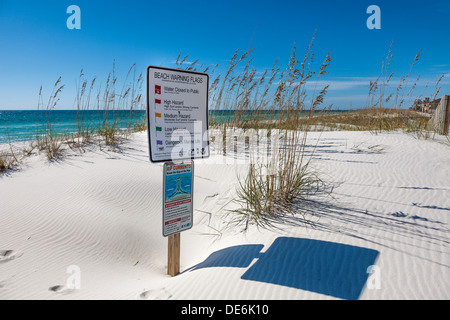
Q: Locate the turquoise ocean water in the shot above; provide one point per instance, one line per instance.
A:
(26, 124)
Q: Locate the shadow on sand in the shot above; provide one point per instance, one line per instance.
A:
(328, 268)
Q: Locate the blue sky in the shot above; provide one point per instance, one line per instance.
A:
(36, 47)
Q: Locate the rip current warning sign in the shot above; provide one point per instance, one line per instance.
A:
(177, 197)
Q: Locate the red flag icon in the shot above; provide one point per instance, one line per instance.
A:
(157, 89)
(158, 101)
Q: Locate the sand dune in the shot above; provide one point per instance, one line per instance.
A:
(101, 211)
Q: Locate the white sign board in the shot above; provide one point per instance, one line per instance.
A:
(177, 197)
(177, 111)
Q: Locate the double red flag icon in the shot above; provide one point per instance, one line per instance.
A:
(157, 89)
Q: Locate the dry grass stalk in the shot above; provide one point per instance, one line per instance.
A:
(274, 185)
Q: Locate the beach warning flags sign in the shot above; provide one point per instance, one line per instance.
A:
(178, 115)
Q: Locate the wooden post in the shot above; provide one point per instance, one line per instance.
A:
(173, 265)
(257, 140)
(224, 140)
(247, 147)
(446, 116)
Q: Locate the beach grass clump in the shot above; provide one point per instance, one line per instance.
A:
(265, 195)
(390, 110)
(110, 104)
(389, 106)
(8, 158)
(84, 124)
(7, 161)
(275, 184)
(101, 114)
(48, 138)
(371, 119)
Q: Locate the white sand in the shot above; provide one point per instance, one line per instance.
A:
(101, 211)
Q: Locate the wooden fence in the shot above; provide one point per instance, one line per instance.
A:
(439, 122)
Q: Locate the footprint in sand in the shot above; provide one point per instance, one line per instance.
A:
(60, 289)
(156, 294)
(7, 255)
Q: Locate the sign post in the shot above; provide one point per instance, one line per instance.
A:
(173, 261)
(177, 114)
